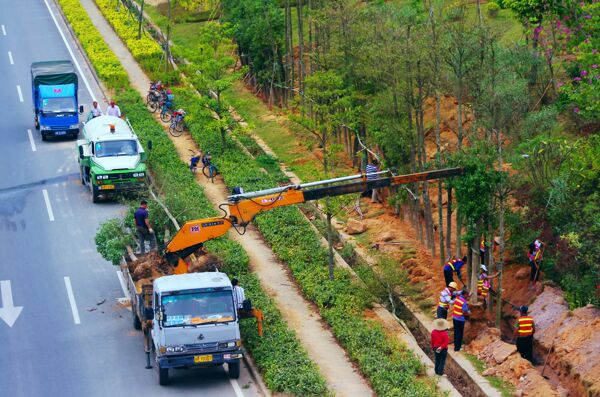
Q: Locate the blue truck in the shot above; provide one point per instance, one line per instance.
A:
(54, 92)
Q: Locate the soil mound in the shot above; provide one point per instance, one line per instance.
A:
(502, 360)
(575, 336)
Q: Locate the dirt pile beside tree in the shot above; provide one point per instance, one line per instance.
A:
(576, 339)
(502, 360)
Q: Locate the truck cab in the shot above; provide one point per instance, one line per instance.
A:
(54, 88)
(195, 323)
(111, 158)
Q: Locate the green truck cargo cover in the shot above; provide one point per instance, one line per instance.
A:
(53, 73)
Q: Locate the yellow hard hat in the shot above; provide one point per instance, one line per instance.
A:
(453, 285)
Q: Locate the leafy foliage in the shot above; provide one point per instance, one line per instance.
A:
(111, 239)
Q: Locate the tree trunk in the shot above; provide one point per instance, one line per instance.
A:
(449, 221)
(330, 241)
(428, 218)
(475, 261)
(301, 72)
(289, 46)
(141, 20)
(458, 247)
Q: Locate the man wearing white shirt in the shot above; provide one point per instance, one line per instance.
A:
(113, 110)
(238, 294)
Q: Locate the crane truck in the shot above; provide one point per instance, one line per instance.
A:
(188, 320)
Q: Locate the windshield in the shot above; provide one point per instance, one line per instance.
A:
(198, 308)
(116, 148)
(58, 105)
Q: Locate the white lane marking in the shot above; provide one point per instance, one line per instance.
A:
(20, 93)
(10, 58)
(87, 85)
(3, 30)
(48, 205)
(72, 300)
(8, 312)
(236, 386)
(31, 141)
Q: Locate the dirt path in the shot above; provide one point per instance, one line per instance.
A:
(320, 344)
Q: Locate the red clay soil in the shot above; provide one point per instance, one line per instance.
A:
(575, 363)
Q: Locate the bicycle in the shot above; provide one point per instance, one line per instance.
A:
(177, 122)
(209, 169)
(154, 95)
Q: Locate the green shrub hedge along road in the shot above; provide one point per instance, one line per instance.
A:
(284, 363)
(389, 366)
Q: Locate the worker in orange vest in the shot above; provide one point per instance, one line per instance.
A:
(483, 283)
(524, 334)
(460, 313)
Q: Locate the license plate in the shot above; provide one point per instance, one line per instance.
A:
(107, 187)
(203, 359)
(60, 132)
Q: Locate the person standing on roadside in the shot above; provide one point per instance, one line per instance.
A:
(459, 317)
(113, 110)
(439, 344)
(446, 300)
(144, 230)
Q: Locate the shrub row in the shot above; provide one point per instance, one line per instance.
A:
(284, 363)
(105, 63)
(391, 369)
(145, 50)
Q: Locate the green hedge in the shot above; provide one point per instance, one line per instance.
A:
(390, 367)
(105, 63)
(147, 52)
(284, 363)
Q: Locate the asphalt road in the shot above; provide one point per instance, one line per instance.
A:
(65, 341)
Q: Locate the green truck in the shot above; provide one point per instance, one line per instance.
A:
(111, 158)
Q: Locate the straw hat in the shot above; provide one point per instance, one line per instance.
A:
(440, 324)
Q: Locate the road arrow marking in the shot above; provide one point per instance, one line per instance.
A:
(8, 312)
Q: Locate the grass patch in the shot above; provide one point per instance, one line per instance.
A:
(505, 388)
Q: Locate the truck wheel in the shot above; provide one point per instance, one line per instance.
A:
(44, 137)
(95, 194)
(163, 376)
(234, 370)
(82, 176)
(137, 324)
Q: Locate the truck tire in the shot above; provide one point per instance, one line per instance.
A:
(95, 194)
(44, 137)
(82, 175)
(234, 369)
(137, 324)
(163, 376)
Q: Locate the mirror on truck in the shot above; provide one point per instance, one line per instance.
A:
(80, 152)
(149, 146)
(80, 109)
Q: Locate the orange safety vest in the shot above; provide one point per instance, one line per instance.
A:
(525, 325)
(458, 305)
(482, 287)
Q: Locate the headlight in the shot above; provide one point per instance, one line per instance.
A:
(99, 177)
(139, 174)
(226, 345)
(175, 349)
(73, 126)
(45, 128)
